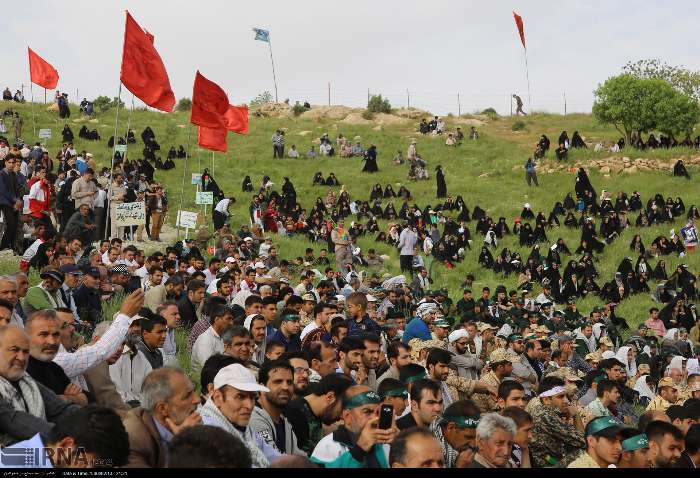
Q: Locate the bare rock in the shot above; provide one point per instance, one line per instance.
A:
(605, 170)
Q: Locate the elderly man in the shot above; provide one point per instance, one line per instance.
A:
(26, 406)
(168, 406)
(45, 295)
(230, 407)
(494, 440)
(8, 292)
(415, 448)
(359, 442)
(419, 326)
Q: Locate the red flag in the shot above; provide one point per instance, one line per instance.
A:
(143, 71)
(213, 139)
(237, 119)
(41, 72)
(209, 103)
(521, 28)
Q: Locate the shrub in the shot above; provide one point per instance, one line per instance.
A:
(298, 109)
(491, 113)
(103, 103)
(262, 99)
(185, 104)
(377, 104)
(518, 126)
(368, 115)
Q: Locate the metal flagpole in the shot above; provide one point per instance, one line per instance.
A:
(212, 163)
(111, 172)
(527, 75)
(184, 175)
(274, 78)
(31, 90)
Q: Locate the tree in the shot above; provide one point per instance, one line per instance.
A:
(185, 104)
(103, 103)
(682, 79)
(262, 99)
(632, 104)
(377, 104)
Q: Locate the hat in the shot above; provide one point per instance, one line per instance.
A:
(290, 317)
(514, 337)
(604, 426)
(308, 298)
(260, 265)
(230, 260)
(607, 342)
(53, 274)
(248, 239)
(120, 269)
(457, 334)
(502, 355)
(542, 329)
(644, 369)
(238, 377)
(70, 269)
(371, 298)
(637, 442)
(93, 272)
(667, 382)
(594, 356)
(442, 323)
(483, 327)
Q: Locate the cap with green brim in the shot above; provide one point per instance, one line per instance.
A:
(290, 317)
(604, 426)
(413, 378)
(461, 421)
(637, 442)
(441, 323)
(514, 337)
(365, 398)
(395, 392)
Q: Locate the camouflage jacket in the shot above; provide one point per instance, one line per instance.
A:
(484, 401)
(555, 443)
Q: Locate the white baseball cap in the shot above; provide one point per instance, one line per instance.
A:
(230, 260)
(238, 377)
(260, 265)
(371, 298)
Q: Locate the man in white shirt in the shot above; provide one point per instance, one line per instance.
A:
(221, 213)
(210, 342)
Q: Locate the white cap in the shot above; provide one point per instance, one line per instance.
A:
(340, 297)
(260, 265)
(230, 260)
(248, 238)
(371, 298)
(527, 205)
(457, 334)
(238, 377)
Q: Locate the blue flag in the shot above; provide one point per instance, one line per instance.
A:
(262, 35)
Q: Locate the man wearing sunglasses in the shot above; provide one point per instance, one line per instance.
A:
(10, 203)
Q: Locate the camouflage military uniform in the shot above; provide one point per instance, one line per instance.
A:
(659, 403)
(584, 461)
(484, 400)
(305, 319)
(555, 443)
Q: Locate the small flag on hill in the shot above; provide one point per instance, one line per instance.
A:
(521, 28)
(262, 35)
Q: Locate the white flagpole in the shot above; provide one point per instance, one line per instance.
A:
(272, 60)
(31, 90)
(111, 173)
(527, 75)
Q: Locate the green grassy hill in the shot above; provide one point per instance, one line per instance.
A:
(500, 153)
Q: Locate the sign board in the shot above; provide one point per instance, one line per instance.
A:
(120, 148)
(44, 133)
(187, 219)
(196, 178)
(130, 214)
(204, 198)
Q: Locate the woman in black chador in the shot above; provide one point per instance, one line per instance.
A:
(370, 159)
(441, 185)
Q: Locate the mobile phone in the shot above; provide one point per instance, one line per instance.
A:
(386, 416)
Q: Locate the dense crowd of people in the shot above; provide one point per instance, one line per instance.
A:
(318, 360)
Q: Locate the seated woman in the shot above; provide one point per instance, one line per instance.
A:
(293, 153)
(247, 185)
(318, 179)
(404, 193)
(172, 154)
(389, 191)
(181, 152)
(332, 180)
(527, 213)
(562, 153)
(577, 141)
(680, 170)
(450, 140)
(377, 192)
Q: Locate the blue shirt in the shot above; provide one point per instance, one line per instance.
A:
(293, 344)
(416, 328)
(366, 325)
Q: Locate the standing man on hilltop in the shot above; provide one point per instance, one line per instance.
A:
(519, 106)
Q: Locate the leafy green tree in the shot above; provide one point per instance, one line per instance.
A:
(185, 104)
(632, 104)
(262, 99)
(377, 104)
(682, 79)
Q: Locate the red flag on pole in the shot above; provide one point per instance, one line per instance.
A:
(521, 28)
(209, 104)
(237, 119)
(213, 139)
(143, 71)
(41, 72)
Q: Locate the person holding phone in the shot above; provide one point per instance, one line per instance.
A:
(359, 442)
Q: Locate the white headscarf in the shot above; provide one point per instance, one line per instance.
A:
(642, 387)
(671, 334)
(598, 330)
(608, 354)
(676, 362)
(621, 355)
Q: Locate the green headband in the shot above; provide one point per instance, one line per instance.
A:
(365, 398)
(413, 378)
(396, 392)
(290, 317)
(637, 442)
(462, 422)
